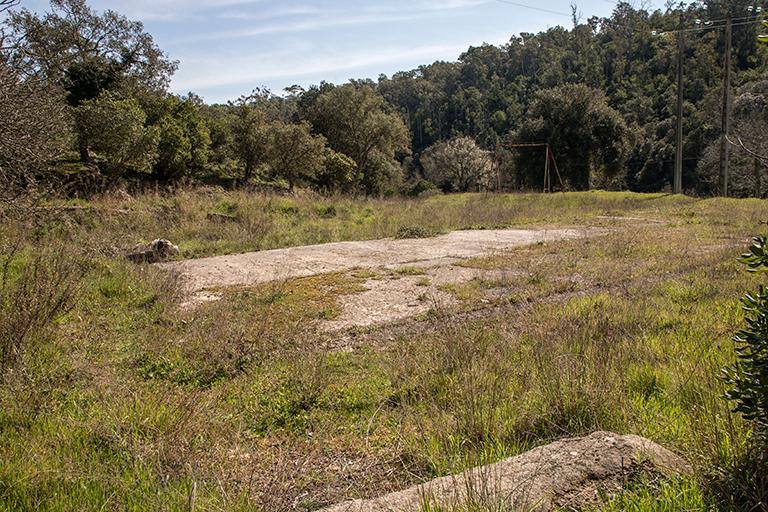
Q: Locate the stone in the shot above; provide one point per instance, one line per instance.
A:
(157, 251)
(567, 474)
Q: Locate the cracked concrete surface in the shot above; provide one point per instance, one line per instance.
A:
(293, 262)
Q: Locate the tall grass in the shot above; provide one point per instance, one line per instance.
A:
(129, 402)
(264, 221)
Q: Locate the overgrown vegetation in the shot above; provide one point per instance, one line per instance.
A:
(749, 377)
(126, 401)
(114, 396)
(598, 93)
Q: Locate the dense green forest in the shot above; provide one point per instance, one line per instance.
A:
(86, 105)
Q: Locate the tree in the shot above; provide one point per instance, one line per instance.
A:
(115, 129)
(458, 165)
(750, 156)
(87, 54)
(355, 121)
(750, 109)
(32, 132)
(184, 140)
(338, 173)
(33, 125)
(72, 36)
(589, 139)
(250, 135)
(294, 154)
(220, 120)
(5, 6)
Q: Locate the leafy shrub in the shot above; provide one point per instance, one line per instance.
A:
(739, 480)
(405, 232)
(419, 188)
(748, 377)
(327, 212)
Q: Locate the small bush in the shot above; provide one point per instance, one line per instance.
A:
(748, 377)
(420, 187)
(34, 291)
(741, 481)
(406, 232)
(327, 212)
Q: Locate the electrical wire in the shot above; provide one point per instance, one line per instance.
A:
(533, 8)
(712, 24)
(710, 27)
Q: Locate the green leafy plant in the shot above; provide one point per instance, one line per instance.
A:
(748, 377)
(406, 232)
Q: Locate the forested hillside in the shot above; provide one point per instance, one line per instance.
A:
(602, 92)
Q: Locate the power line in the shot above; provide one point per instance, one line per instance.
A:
(533, 8)
(710, 27)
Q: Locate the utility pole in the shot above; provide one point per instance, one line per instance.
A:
(726, 122)
(677, 185)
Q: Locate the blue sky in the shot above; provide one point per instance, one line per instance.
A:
(228, 47)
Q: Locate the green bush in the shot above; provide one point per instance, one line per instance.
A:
(406, 232)
(748, 377)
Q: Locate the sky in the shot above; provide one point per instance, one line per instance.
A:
(226, 48)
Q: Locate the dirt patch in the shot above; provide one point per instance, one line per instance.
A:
(259, 267)
(403, 294)
(567, 474)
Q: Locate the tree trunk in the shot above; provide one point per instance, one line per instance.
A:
(248, 173)
(85, 154)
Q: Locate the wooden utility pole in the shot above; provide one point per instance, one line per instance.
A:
(677, 182)
(726, 122)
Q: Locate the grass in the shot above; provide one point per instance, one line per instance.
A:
(676, 495)
(128, 403)
(269, 222)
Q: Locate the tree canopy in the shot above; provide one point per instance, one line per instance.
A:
(356, 122)
(601, 93)
(590, 139)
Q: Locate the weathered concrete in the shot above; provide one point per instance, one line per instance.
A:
(259, 267)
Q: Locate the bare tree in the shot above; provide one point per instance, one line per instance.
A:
(33, 128)
(33, 120)
(458, 165)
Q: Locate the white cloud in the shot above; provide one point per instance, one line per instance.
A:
(168, 10)
(298, 64)
(281, 11)
(185, 10)
(300, 25)
(198, 74)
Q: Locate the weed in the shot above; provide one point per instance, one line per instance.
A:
(405, 232)
(327, 212)
(411, 271)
